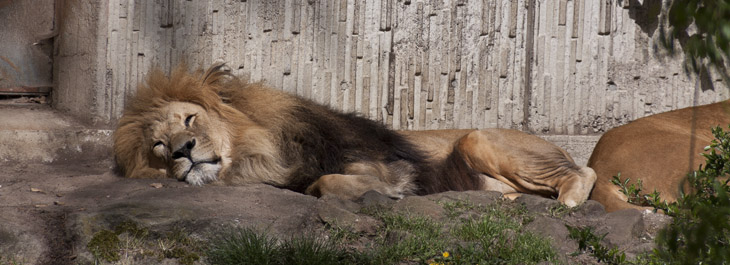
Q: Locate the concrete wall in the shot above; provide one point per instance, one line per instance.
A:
(550, 67)
(553, 67)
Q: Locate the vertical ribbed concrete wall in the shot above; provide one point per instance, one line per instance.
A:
(546, 66)
(565, 69)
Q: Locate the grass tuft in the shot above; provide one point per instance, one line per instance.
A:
(246, 246)
(471, 234)
(310, 250)
(242, 246)
(589, 241)
(128, 243)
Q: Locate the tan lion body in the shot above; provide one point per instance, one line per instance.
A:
(659, 149)
(214, 128)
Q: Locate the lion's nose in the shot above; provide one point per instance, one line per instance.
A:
(184, 150)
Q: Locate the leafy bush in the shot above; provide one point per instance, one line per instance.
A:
(703, 29)
(700, 231)
(588, 241)
(634, 196)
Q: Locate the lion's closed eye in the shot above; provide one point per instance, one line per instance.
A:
(189, 120)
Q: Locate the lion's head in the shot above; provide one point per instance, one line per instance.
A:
(176, 126)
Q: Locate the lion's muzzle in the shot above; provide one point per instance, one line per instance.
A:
(184, 150)
(198, 172)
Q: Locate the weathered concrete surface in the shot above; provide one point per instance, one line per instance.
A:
(579, 147)
(50, 213)
(563, 67)
(40, 134)
(79, 64)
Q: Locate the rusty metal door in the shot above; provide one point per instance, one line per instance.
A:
(26, 47)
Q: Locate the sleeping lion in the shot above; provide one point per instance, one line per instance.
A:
(212, 127)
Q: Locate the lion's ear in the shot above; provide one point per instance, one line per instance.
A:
(216, 73)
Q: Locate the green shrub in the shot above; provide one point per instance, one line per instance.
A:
(700, 230)
(589, 241)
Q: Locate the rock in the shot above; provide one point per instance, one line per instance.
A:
(334, 214)
(333, 201)
(633, 250)
(420, 206)
(197, 210)
(590, 208)
(653, 222)
(556, 230)
(537, 204)
(20, 237)
(97, 202)
(372, 198)
(472, 196)
(623, 227)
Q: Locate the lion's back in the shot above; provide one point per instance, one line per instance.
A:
(659, 149)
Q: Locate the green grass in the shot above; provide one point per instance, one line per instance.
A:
(484, 234)
(246, 246)
(128, 243)
(589, 241)
(10, 260)
(404, 237)
(311, 250)
(240, 246)
(470, 234)
(497, 237)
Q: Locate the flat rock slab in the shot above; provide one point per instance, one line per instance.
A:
(197, 210)
(52, 212)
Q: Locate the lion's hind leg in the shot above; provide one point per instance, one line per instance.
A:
(351, 186)
(526, 164)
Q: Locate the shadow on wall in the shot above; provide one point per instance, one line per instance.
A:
(647, 16)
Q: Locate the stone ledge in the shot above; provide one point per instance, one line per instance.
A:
(579, 147)
(39, 134)
(48, 146)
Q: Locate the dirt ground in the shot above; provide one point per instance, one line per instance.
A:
(33, 198)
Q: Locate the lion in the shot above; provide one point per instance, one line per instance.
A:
(213, 127)
(659, 149)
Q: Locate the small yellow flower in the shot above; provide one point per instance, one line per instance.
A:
(446, 254)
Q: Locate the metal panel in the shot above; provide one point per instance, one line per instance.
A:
(26, 47)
